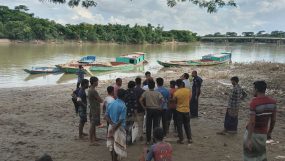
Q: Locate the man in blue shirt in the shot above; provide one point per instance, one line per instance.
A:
(116, 116)
(82, 106)
(165, 112)
(80, 73)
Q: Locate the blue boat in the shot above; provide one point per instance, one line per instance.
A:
(42, 70)
(87, 59)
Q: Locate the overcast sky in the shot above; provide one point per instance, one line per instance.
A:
(250, 15)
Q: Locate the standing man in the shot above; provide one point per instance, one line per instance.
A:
(147, 78)
(185, 78)
(82, 106)
(165, 111)
(109, 98)
(80, 73)
(94, 101)
(262, 113)
(117, 86)
(196, 90)
(151, 101)
(140, 110)
(182, 97)
(231, 118)
(116, 117)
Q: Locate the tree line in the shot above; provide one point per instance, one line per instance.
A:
(18, 24)
(249, 34)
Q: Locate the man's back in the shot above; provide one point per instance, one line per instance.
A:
(263, 108)
(165, 93)
(183, 96)
(162, 151)
(152, 99)
(139, 91)
(117, 111)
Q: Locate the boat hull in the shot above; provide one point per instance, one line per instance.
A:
(186, 63)
(43, 71)
(68, 70)
(111, 68)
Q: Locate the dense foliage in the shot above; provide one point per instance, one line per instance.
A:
(262, 33)
(210, 5)
(17, 24)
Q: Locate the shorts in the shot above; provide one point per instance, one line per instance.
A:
(94, 116)
(82, 114)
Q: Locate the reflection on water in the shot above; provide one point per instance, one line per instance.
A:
(15, 57)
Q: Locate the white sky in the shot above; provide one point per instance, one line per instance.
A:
(250, 15)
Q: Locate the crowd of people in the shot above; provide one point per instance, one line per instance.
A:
(149, 103)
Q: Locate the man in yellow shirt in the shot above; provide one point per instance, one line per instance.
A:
(182, 97)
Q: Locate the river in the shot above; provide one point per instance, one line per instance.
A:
(15, 57)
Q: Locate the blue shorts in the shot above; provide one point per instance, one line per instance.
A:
(82, 114)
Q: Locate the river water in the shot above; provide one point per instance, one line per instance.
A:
(15, 57)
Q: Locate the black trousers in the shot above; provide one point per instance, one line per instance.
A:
(152, 121)
(165, 121)
(172, 115)
(194, 106)
(183, 118)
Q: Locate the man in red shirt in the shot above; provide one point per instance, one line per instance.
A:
(262, 111)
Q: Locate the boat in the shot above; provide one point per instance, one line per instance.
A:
(207, 60)
(72, 66)
(112, 66)
(87, 59)
(42, 70)
(123, 62)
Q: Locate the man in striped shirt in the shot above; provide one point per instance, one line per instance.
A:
(262, 113)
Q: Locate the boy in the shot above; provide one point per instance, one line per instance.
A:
(82, 106)
(80, 73)
(161, 151)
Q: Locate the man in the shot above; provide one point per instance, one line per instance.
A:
(165, 111)
(109, 98)
(140, 110)
(185, 78)
(116, 117)
(151, 101)
(182, 97)
(231, 118)
(196, 90)
(117, 86)
(262, 113)
(161, 150)
(80, 73)
(82, 106)
(147, 78)
(172, 105)
(131, 103)
(94, 101)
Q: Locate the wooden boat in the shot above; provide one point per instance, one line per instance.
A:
(123, 62)
(72, 66)
(41, 70)
(112, 66)
(207, 60)
(87, 59)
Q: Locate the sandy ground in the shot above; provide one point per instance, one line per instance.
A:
(41, 119)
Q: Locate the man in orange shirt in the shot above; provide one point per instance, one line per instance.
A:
(182, 97)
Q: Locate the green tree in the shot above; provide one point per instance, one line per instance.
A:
(210, 5)
(231, 34)
(22, 8)
(248, 34)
